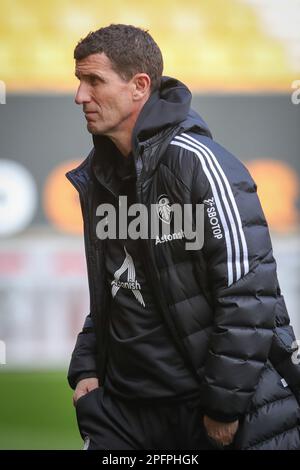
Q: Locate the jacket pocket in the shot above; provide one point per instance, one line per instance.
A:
(84, 397)
(87, 407)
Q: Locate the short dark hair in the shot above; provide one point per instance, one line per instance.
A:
(130, 49)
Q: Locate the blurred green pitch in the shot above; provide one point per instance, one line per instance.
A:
(36, 411)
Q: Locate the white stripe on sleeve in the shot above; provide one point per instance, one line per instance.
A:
(215, 175)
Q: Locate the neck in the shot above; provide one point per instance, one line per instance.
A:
(123, 142)
(122, 137)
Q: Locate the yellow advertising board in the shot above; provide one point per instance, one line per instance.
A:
(208, 44)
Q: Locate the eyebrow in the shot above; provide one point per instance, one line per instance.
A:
(89, 75)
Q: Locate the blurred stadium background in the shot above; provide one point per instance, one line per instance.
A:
(241, 58)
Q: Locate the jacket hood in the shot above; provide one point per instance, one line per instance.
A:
(166, 107)
(169, 106)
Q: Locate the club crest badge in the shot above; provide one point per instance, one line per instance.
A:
(164, 209)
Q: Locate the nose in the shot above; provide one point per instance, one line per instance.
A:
(82, 95)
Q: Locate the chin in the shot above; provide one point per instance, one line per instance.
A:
(92, 129)
(96, 131)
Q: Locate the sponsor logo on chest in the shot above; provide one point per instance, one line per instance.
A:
(213, 218)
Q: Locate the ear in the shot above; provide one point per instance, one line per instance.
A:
(141, 86)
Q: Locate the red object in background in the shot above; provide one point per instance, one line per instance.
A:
(69, 263)
(11, 263)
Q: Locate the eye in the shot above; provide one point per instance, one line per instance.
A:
(94, 81)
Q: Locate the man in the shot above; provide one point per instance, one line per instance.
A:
(173, 347)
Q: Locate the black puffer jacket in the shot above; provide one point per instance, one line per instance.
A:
(222, 303)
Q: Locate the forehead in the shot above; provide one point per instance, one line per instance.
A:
(98, 62)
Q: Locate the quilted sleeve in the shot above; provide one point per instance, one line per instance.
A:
(240, 275)
(83, 359)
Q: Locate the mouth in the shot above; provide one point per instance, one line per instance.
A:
(89, 115)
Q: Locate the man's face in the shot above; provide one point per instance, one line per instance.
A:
(106, 98)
